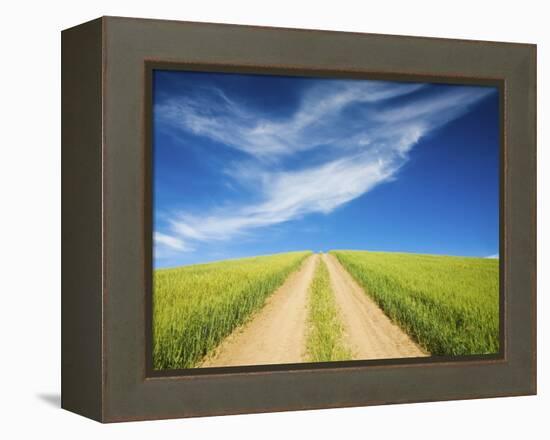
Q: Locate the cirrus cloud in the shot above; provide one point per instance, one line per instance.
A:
(362, 131)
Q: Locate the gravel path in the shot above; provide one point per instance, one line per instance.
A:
(277, 333)
(369, 332)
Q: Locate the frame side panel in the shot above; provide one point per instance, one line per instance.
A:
(81, 213)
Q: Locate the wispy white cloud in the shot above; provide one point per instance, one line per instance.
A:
(165, 243)
(366, 135)
(493, 256)
(290, 195)
(214, 115)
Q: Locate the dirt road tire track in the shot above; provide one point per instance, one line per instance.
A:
(369, 332)
(277, 333)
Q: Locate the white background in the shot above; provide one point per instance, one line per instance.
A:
(30, 218)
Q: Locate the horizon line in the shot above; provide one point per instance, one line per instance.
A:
(484, 257)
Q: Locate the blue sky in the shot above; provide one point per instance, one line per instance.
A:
(254, 164)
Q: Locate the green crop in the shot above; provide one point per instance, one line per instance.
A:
(449, 305)
(325, 341)
(195, 307)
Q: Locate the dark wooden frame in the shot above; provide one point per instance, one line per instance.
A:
(150, 66)
(106, 216)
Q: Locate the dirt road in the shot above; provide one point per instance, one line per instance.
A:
(277, 333)
(369, 332)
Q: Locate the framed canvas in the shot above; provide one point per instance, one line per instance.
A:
(264, 219)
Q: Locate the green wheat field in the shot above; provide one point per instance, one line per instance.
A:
(448, 305)
(195, 307)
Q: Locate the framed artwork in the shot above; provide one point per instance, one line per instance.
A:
(263, 219)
